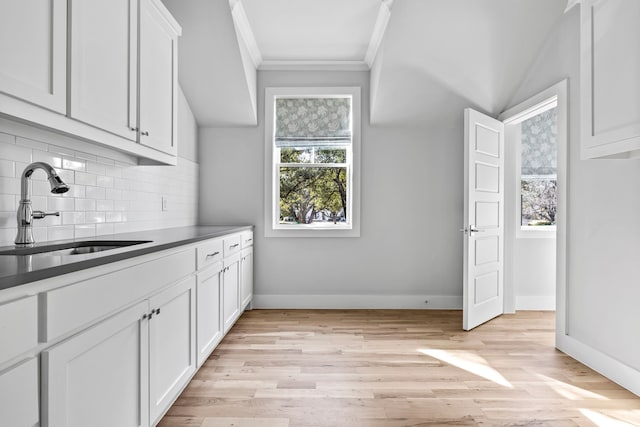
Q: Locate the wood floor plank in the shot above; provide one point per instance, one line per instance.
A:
(396, 368)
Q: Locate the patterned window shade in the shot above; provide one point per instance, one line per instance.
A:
(539, 145)
(304, 122)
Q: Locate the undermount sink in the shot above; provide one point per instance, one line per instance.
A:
(74, 248)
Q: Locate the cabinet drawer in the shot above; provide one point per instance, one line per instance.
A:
(19, 395)
(209, 253)
(18, 327)
(231, 244)
(67, 309)
(246, 239)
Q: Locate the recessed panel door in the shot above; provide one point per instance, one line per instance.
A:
(484, 219)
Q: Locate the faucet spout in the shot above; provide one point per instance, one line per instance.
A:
(25, 214)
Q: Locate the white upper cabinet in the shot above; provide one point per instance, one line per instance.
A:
(101, 70)
(158, 77)
(610, 87)
(103, 64)
(33, 51)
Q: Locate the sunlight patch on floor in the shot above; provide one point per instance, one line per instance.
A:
(569, 391)
(602, 420)
(469, 362)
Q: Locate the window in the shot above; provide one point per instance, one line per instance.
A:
(312, 162)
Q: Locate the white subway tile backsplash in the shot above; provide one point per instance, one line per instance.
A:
(85, 205)
(95, 192)
(104, 205)
(8, 203)
(86, 179)
(105, 181)
(82, 231)
(59, 233)
(7, 168)
(60, 204)
(53, 159)
(94, 217)
(106, 195)
(9, 185)
(15, 153)
(104, 229)
(74, 164)
(73, 218)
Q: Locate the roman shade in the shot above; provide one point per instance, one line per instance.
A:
(307, 122)
(539, 145)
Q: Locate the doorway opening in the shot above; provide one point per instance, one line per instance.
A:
(535, 202)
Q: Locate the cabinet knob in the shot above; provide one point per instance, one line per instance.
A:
(144, 133)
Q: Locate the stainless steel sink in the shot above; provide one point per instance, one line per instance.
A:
(74, 248)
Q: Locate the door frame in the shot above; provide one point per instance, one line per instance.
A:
(558, 91)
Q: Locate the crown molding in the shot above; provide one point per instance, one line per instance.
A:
(570, 4)
(384, 14)
(243, 27)
(313, 66)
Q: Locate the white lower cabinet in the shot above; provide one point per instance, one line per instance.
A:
(126, 370)
(246, 277)
(231, 291)
(19, 395)
(100, 376)
(209, 320)
(172, 349)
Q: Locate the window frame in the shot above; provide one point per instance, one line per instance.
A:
(555, 96)
(272, 163)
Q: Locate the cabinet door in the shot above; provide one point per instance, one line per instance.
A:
(158, 79)
(230, 293)
(610, 65)
(209, 318)
(99, 377)
(103, 64)
(19, 395)
(33, 38)
(246, 277)
(172, 345)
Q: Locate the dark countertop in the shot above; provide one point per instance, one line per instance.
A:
(18, 270)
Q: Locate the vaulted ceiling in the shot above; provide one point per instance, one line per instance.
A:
(428, 58)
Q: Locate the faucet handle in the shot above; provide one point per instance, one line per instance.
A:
(40, 214)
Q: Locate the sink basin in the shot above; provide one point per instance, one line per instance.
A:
(74, 248)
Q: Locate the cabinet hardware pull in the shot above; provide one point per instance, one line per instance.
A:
(144, 133)
(144, 316)
(157, 311)
(213, 254)
(235, 246)
(134, 129)
(249, 240)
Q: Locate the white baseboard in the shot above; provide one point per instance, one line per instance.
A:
(435, 302)
(536, 302)
(611, 368)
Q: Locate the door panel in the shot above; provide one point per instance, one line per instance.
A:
(483, 216)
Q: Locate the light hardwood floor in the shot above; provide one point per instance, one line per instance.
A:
(279, 368)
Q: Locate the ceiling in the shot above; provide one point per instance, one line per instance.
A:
(428, 58)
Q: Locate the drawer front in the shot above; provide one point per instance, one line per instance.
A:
(19, 395)
(69, 308)
(209, 253)
(231, 245)
(246, 239)
(18, 327)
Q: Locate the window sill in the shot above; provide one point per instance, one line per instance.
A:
(541, 232)
(319, 231)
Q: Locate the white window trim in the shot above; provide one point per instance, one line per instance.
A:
(556, 95)
(271, 190)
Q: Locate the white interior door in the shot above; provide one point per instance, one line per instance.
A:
(483, 277)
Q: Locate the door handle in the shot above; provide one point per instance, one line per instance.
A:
(471, 229)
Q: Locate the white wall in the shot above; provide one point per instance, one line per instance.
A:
(410, 247)
(603, 231)
(109, 192)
